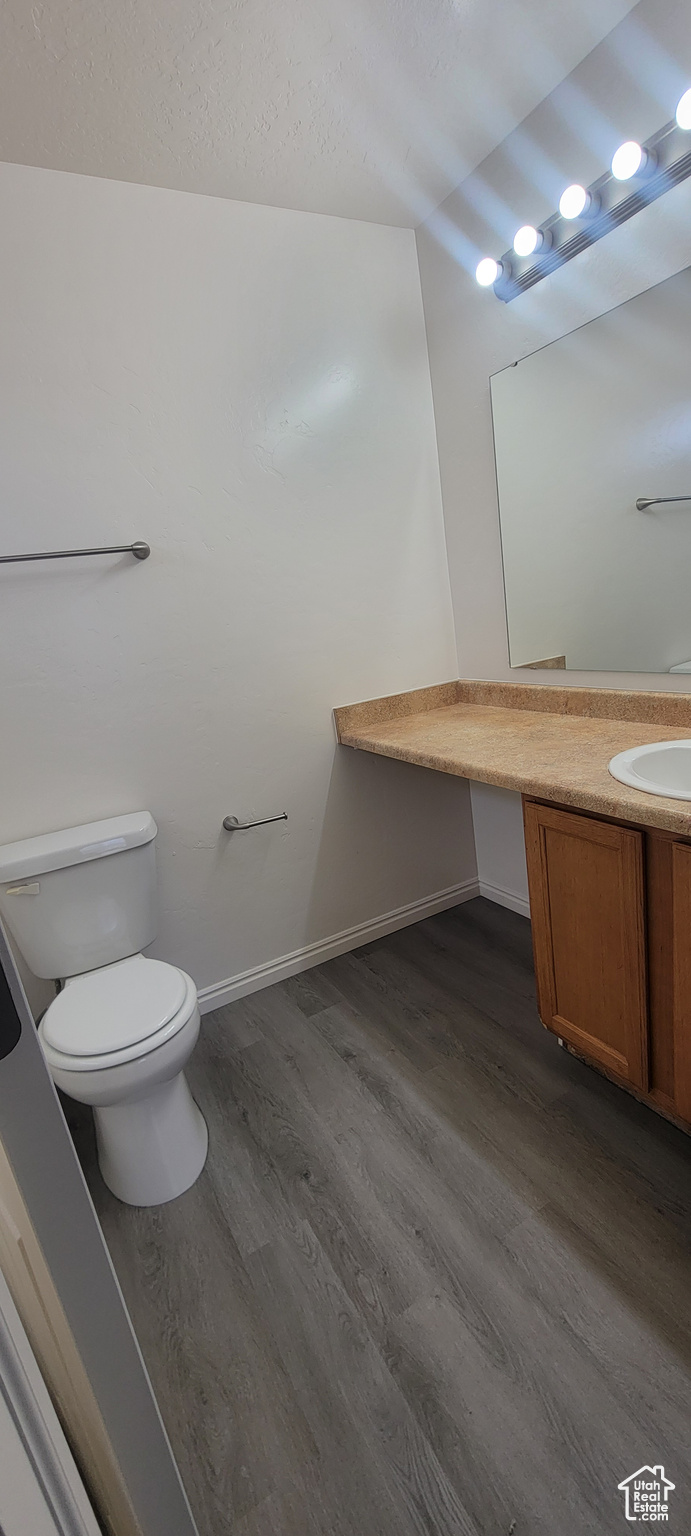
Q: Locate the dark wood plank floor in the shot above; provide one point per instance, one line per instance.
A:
(435, 1278)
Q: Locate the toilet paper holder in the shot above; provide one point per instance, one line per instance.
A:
(231, 823)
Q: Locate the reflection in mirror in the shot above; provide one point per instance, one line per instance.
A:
(584, 430)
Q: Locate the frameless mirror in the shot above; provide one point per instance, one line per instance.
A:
(593, 452)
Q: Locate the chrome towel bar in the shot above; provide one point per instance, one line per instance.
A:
(139, 549)
(231, 823)
(656, 501)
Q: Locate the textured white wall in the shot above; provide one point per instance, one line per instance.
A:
(248, 389)
(372, 110)
(627, 87)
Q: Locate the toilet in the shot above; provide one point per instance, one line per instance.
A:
(81, 906)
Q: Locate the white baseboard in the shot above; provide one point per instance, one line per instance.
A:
(326, 949)
(504, 898)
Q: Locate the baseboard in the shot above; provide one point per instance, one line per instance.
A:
(326, 949)
(504, 898)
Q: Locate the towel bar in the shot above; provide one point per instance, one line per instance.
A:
(139, 549)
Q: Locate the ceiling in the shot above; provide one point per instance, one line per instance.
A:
(373, 109)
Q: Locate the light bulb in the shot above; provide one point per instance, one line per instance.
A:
(683, 112)
(526, 240)
(487, 271)
(628, 159)
(573, 202)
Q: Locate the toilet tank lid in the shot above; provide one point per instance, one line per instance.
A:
(75, 845)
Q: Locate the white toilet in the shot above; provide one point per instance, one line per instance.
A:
(81, 905)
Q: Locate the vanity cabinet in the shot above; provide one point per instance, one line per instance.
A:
(611, 918)
(586, 902)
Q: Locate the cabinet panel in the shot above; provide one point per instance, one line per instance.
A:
(587, 907)
(659, 849)
(681, 991)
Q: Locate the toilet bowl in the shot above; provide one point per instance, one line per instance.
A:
(119, 1039)
(80, 904)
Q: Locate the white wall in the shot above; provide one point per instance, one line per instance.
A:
(627, 87)
(248, 389)
(500, 846)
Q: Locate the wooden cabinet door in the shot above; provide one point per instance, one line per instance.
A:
(681, 977)
(587, 910)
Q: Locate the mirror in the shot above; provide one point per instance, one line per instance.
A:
(583, 430)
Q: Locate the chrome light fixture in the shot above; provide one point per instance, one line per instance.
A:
(639, 174)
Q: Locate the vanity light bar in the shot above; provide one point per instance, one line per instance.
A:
(665, 160)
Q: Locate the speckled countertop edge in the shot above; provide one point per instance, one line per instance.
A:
(553, 743)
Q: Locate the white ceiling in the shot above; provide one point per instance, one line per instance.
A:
(374, 109)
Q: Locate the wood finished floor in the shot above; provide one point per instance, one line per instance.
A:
(435, 1278)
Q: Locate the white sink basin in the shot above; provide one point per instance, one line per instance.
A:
(661, 768)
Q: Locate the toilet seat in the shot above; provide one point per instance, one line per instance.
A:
(116, 1014)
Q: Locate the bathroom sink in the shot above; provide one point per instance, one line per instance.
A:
(660, 768)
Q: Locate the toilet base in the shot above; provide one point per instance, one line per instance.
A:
(151, 1149)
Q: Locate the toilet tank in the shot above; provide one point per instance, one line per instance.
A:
(81, 898)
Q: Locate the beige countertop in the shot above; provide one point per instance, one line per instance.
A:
(551, 742)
